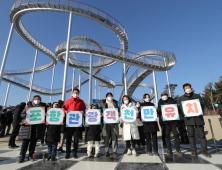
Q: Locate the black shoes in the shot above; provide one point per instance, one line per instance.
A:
(49, 157)
(53, 158)
(67, 156)
(21, 159)
(61, 150)
(75, 155)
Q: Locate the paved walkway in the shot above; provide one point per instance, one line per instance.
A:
(9, 157)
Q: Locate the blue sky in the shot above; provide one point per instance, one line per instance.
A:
(190, 29)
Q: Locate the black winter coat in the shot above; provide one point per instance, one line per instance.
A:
(94, 133)
(17, 114)
(149, 127)
(2, 119)
(25, 132)
(197, 120)
(9, 117)
(53, 133)
(170, 100)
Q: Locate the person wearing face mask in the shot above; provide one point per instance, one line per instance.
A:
(110, 130)
(193, 123)
(53, 137)
(73, 104)
(142, 135)
(30, 133)
(169, 125)
(93, 136)
(150, 129)
(130, 129)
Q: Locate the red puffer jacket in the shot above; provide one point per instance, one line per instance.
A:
(74, 104)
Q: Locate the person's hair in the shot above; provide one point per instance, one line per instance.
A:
(107, 94)
(37, 96)
(94, 105)
(4, 110)
(76, 90)
(144, 96)
(127, 97)
(187, 84)
(137, 102)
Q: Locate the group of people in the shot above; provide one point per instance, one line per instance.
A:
(132, 132)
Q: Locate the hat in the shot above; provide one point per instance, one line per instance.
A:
(164, 93)
(55, 103)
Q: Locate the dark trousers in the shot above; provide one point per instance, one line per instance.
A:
(191, 136)
(128, 143)
(154, 140)
(142, 136)
(43, 135)
(174, 128)
(80, 133)
(2, 129)
(110, 134)
(8, 128)
(15, 132)
(52, 148)
(31, 143)
(183, 132)
(70, 131)
(86, 133)
(163, 129)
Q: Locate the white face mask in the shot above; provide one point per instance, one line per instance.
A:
(75, 95)
(147, 99)
(109, 98)
(164, 98)
(126, 101)
(188, 90)
(36, 101)
(137, 105)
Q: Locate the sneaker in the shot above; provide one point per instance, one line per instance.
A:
(134, 152)
(67, 156)
(61, 150)
(49, 157)
(150, 153)
(15, 146)
(53, 158)
(179, 153)
(30, 158)
(21, 159)
(107, 154)
(129, 152)
(96, 155)
(169, 153)
(89, 154)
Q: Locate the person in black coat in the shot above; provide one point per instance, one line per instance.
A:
(193, 123)
(30, 133)
(150, 129)
(2, 122)
(93, 136)
(170, 125)
(53, 137)
(140, 128)
(9, 117)
(16, 124)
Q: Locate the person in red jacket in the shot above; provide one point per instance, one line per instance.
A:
(73, 104)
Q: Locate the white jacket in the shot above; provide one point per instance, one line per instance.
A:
(130, 128)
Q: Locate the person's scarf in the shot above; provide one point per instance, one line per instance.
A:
(110, 103)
